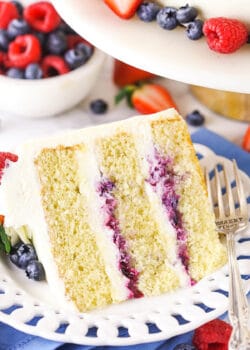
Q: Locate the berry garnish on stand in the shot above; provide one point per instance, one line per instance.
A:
(99, 106)
(223, 35)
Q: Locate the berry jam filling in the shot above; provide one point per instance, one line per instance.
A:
(163, 180)
(105, 188)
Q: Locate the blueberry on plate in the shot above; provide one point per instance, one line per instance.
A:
(15, 73)
(98, 106)
(184, 347)
(33, 71)
(4, 40)
(147, 11)
(19, 7)
(21, 254)
(186, 14)
(35, 270)
(166, 18)
(195, 118)
(194, 29)
(56, 43)
(18, 27)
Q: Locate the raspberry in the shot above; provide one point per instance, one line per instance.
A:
(212, 335)
(225, 35)
(42, 16)
(4, 158)
(54, 65)
(25, 49)
(8, 11)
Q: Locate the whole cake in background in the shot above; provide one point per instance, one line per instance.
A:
(115, 212)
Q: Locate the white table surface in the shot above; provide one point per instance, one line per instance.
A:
(15, 130)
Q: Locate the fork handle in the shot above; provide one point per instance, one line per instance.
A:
(238, 306)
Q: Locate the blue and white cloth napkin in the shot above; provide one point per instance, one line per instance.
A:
(11, 339)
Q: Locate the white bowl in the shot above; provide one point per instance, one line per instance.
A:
(49, 96)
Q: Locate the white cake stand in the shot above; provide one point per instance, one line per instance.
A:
(166, 53)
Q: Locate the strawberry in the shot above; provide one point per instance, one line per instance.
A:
(123, 8)
(147, 98)
(124, 74)
(246, 140)
(1, 220)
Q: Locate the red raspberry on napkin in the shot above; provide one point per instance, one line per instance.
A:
(213, 335)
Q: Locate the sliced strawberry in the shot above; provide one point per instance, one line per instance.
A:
(246, 140)
(124, 74)
(147, 98)
(152, 98)
(123, 8)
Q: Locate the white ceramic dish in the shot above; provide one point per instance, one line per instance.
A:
(48, 97)
(51, 96)
(30, 307)
(166, 53)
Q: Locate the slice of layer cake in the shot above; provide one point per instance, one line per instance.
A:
(116, 211)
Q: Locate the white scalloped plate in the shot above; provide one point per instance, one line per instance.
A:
(166, 53)
(30, 307)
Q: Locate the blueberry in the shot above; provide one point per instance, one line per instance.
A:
(42, 37)
(35, 270)
(17, 27)
(4, 40)
(195, 118)
(33, 71)
(147, 11)
(186, 14)
(86, 48)
(65, 28)
(19, 7)
(15, 73)
(56, 43)
(21, 254)
(98, 106)
(248, 38)
(166, 18)
(184, 347)
(75, 58)
(194, 29)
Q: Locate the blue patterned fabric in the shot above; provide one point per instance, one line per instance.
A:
(11, 339)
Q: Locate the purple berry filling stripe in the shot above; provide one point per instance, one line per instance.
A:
(163, 180)
(105, 190)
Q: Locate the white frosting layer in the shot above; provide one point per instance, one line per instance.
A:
(90, 176)
(20, 199)
(145, 148)
(238, 9)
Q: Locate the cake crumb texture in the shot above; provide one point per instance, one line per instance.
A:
(206, 253)
(73, 244)
(119, 162)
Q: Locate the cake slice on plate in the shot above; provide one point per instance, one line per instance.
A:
(116, 211)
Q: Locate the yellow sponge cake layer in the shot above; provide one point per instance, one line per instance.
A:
(73, 243)
(205, 252)
(119, 163)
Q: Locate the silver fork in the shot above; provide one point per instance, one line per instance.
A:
(231, 221)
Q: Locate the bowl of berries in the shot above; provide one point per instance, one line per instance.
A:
(45, 67)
